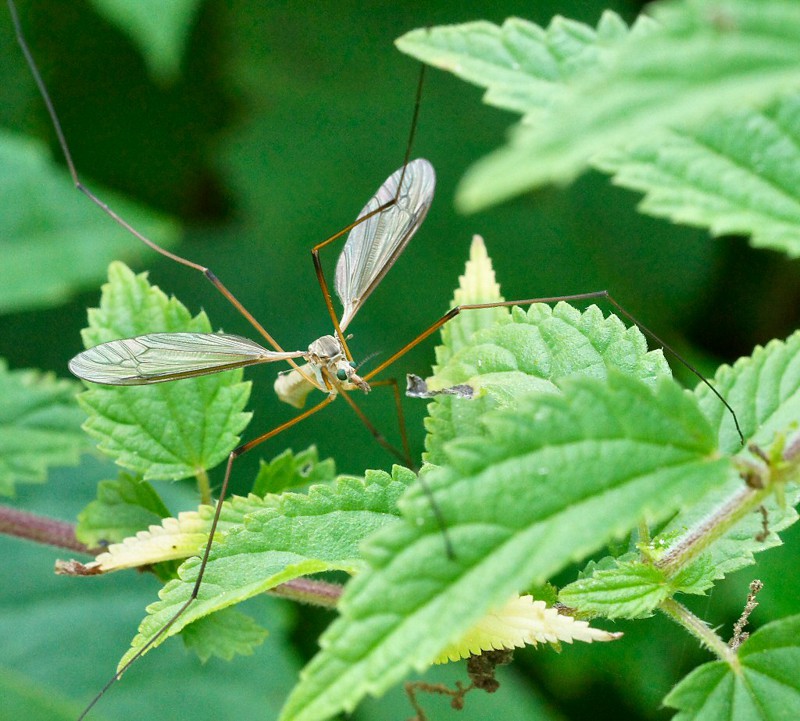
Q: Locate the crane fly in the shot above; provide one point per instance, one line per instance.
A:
(371, 249)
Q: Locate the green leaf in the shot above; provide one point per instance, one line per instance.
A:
(519, 505)
(288, 470)
(628, 587)
(160, 30)
(763, 389)
(523, 67)
(737, 174)
(611, 591)
(297, 536)
(167, 430)
(762, 684)
(47, 225)
(123, 507)
(530, 351)
(477, 285)
(695, 60)
(226, 634)
(39, 426)
(631, 590)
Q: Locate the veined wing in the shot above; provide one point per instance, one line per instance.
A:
(160, 357)
(373, 246)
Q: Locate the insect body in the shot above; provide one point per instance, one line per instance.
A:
(370, 250)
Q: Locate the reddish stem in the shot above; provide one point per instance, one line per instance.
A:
(41, 529)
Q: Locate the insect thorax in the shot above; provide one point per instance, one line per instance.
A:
(326, 351)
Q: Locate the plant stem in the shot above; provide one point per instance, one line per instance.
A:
(204, 487)
(61, 534)
(41, 529)
(699, 629)
(715, 525)
(644, 533)
(304, 590)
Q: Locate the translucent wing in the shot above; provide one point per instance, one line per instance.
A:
(372, 247)
(161, 357)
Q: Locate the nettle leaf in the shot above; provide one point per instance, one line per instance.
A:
(123, 507)
(736, 174)
(523, 67)
(624, 589)
(519, 503)
(523, 621)
(39, 426)
(225, 634)
(160, 30)
(297, 536)
(589, 96)
(630, 587)
(175, 538)
(761, 683)
(529, 352)
(764, 390)
(630, 590)
(477, 285)
(46, 225)
(167, 430)
(289, 470)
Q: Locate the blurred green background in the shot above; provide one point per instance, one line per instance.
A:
(282, 121)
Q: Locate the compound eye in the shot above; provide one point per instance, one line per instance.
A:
(341, 374)
(352, 364)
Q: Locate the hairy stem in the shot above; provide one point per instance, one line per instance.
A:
(707, 530)
(61, 534)
(304, 590)
(47, 531)
(699, 629)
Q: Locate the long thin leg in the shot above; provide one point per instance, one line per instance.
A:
(594, 295)
(403, 456)
(437, 512)
(398, 405)
(234, 454)
(62, 141)
(323, 284)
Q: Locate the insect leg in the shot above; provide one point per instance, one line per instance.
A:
(62, 141)
(403, 456)
(379, 437)
(234, 454)
(401, 419)
(594, 295)
(323, 284)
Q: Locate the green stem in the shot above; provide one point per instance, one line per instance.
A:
(699, 629)
(204, 487)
